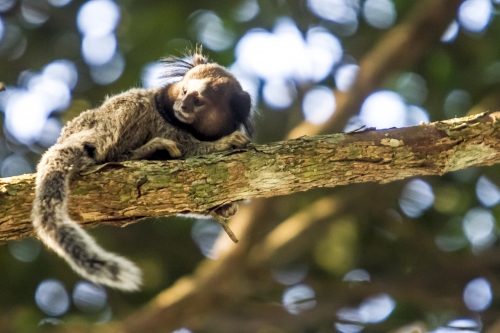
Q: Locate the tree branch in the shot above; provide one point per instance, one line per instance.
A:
(135, 190)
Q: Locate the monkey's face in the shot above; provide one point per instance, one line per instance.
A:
(202, 104)
(211, 101)
(192, 100)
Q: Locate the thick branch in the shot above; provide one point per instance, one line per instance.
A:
(121, 193)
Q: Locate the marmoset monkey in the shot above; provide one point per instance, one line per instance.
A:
(202, 112)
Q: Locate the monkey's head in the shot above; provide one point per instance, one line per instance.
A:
(208, 101)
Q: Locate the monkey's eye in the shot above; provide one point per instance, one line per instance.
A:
(198, 101)
(184, 91)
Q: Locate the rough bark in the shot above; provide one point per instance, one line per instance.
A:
(121, 193)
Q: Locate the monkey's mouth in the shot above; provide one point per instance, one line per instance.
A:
(185, 117)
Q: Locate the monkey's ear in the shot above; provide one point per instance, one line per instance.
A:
(241, 106)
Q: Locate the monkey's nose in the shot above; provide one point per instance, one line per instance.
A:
(186, 108)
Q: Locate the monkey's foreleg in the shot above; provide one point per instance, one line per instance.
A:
(232, 141)
(155, 145)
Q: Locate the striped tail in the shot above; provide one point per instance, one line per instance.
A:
(56, 230)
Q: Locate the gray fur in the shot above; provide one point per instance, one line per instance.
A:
(179, 119)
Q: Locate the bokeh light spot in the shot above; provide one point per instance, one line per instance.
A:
(50, 321)
(50, 132)
(465, 325)
(339, 11)
(26, 250)
(345, 76)
(475, 15)
(319, 104)
(151, 75)
(26, 110)
(15, 165)
(267, 54)
(110, 71)
(25, 115)
(487, 192)
(357, 275)
(372, 310)
(249, 81)
(417, 197)
(348, 328)
(383, 109)
(415, 115)
(412, 87)
(278, 94)
(98, 50)
(211, 32)
(380, 14)
(290, 275)
(6, 5)
(478, 295)
(2, 28)
(205, 233)
(62, 70)
(52, 298)
(457, 103)
(182, 330)
(247, 11)
(478, 225)
(59, 3)
(89, 297)
(299, 298)
(376, 309)
(451, 32)
(98, 18)
(35, 12)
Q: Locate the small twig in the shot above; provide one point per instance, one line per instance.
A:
(356, 130)
(224, 226)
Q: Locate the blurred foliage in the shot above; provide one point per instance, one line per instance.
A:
(401, 253)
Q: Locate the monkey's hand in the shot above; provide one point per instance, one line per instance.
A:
(234, 140)
(155, 145)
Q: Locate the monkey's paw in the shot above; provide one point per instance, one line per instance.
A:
(236, 140)
(172, 148)
(155, 145)
(227, 211)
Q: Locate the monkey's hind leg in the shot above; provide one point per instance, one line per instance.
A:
(155, 145)
(226, 211)
(222, 214)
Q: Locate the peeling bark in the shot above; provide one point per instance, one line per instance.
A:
(121, 193)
